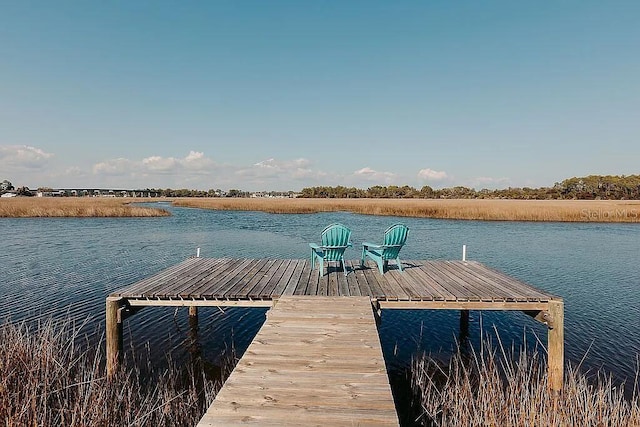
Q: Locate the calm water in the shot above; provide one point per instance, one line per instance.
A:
(66, 267)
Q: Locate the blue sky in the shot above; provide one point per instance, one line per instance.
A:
(281, 95)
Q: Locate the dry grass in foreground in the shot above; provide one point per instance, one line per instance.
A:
(102, 207)
(475, 209)
(45, 380)
(484, 389)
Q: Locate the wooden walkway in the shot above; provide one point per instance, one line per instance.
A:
(316, 361)
(283, 284)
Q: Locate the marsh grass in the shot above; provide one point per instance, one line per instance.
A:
(492, 387)
(468, 209)
(48, 379)
(102, 207)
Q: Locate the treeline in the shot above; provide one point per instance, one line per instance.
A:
(592, 187)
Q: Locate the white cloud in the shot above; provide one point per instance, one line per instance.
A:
(22, 157)
(119, 166)
(160, 164)
(196, 170)
(372, 175)
(432, 175)
(194, 162)
(197, 161)
(194, 156)
(280, 169)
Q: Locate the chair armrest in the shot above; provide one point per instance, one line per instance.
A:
(314, 246)
(371, 245)
(334, 247)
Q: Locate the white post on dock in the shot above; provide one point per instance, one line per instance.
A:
(464, 252)
(197, 252)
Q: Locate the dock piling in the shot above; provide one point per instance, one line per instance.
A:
(464, 326)
(555, 345)
(113, 328)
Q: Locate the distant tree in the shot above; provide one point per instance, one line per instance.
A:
(376, 191)
(24, 191)
(427, 192)
(6, 185)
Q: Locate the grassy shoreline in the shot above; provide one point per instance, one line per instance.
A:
(48, 379)
(466, 209)
(496, 387)
(602, 211)
(75, 207)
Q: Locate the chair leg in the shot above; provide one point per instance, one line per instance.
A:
(362, 257)
(399, 264)
(380, 265)
(344, 267)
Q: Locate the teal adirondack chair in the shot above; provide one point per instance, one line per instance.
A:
(335, 238)
(394, 238)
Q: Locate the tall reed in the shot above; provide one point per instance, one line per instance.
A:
(492, 388)
(102, 207)
(474, 209)
(47, 379)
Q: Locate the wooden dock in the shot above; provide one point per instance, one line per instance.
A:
(316, 361)
(283, 284)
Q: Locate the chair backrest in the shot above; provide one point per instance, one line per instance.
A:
(394, 238)
(335, 239)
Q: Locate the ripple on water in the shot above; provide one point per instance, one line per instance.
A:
(67, 267)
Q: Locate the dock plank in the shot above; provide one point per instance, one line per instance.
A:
(257, 291)
(428, 289)
(316, 360)
(229, 279)
(488, 290)
(305, 280)
(238, 290)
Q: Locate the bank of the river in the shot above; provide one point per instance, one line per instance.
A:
(49, 378)
(467, 209)
(75, 207)
(605, 211)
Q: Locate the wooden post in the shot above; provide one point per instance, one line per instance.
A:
(464, 325)
(193, 343)
(193, 324)
(555, 344)
(113, 327)
(464, 344)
